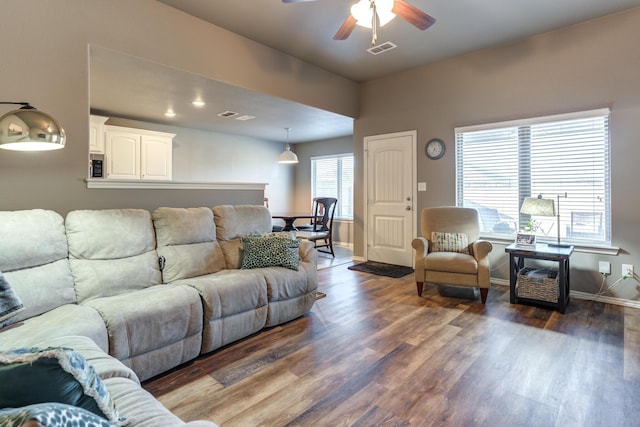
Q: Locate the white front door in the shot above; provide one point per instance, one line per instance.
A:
(390, 194)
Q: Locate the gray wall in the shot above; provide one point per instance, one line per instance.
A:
(590, 65)
(45, 51)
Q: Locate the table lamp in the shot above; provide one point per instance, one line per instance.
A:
(544, 207)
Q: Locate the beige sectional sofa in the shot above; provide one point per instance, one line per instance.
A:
(139, 293)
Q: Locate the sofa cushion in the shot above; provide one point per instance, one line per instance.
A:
(54, 374)
(111, 252)
(33, 259)
(57, 323)
(138, 406)
(232, 222)
(154, 329)
(187, 242)
(180, 226)
(31, 238)
(52, 415)
(235, 305)
(269, 251)
(290, 293)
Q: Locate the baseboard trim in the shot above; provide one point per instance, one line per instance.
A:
(584, 296)
(602, 298)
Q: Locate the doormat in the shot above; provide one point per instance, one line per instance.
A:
(382, 269)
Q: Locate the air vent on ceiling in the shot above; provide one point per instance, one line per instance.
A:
(377, 50)
(227, 114)
(245, 117)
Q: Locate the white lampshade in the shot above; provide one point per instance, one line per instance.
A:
(363, 13)
(28, 129)
(538, 206)
(288, 156)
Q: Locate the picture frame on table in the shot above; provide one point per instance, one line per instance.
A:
(526, 239)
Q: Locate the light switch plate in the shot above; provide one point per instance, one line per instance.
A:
(422, 186)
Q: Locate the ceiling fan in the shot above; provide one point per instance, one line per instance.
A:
(371, 13)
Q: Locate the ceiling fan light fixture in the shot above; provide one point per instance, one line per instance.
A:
(363, 12)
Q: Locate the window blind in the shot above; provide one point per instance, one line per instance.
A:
(498, 165)
(332, 176)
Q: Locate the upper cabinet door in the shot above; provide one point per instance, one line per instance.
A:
(96, 134)
(156, 157)
(122, 155)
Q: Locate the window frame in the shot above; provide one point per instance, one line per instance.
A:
(342, 201)
(523, 152)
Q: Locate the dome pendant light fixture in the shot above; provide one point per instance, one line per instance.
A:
(288, 156)
(27, 129)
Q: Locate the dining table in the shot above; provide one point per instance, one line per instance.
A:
(290, 217)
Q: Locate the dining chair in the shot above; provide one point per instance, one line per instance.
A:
(314, 208)
(321, 233)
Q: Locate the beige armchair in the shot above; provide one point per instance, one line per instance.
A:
(440, 257)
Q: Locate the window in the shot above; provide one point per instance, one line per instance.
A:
(498, 165)
(332, 176)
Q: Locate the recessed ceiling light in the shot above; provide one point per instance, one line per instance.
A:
(198, 103)
(170, 113)
(245, 117)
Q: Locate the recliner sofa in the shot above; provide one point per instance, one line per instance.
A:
(139, 293)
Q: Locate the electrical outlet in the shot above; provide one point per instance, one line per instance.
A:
(604, 267)
(627, 270)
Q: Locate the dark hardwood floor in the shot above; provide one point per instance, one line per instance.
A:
(373, 353)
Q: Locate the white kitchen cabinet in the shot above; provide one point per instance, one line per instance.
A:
(96, 134)
(135, 154)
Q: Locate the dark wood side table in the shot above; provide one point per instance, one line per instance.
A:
(561, 255)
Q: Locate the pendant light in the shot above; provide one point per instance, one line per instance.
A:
(27, 129)
(287, 155)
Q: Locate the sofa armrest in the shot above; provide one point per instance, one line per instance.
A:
(421, 245)
(481, 249)
(307, 252)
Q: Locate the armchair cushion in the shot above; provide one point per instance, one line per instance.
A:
(451, 262)
(449, 242)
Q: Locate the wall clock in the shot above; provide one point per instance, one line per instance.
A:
(435, 148)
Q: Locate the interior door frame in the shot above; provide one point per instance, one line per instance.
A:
(414, 176)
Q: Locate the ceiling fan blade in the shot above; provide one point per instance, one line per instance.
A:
(412, 14)
(347, 27)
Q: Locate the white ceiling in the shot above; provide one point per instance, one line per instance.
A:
(135, 88)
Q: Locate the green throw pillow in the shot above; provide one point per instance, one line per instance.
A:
(449, 242)
(55, 374)
(270, 251)
(52, 415)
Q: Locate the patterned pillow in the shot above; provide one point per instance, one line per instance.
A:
(54, 374)
(449, 242)
(52, 415)
(270, 251)
(10, 303)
